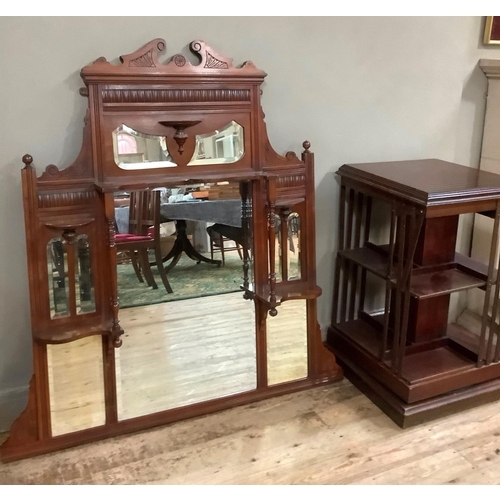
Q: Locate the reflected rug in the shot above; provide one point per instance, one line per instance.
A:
(187, 279)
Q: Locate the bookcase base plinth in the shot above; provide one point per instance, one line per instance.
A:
(410, 414)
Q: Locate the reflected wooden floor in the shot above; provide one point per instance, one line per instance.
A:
(287, 343)
(179, 353)
(76, 385)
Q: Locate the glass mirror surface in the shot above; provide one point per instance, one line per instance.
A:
(57, 269)
(287, 343)
(84, 293)
(221, 146)
(287, 246)
(248, 255)
(76, 385)
(196, 343)
(180, 353)
(135, 150)
(293, 246)
(278, 247)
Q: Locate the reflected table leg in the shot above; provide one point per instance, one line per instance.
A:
(182, 244)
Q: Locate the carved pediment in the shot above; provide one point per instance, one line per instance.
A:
(145, 61)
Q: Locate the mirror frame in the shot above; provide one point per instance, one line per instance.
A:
(175, 98)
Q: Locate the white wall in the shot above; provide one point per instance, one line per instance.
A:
(359, 89)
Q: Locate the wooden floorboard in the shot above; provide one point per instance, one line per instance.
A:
(327, 435)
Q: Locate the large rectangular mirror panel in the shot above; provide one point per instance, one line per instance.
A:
(189, 334)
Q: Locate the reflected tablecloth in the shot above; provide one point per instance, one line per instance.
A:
(226, 212)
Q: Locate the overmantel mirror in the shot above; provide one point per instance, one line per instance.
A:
(172, 265)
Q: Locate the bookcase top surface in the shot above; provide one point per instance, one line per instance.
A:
(427, 181)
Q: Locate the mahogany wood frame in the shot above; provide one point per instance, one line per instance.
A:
(155, 98)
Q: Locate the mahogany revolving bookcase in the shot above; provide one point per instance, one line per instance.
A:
(397, 278)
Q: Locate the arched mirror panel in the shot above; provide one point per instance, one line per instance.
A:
(278, 247)
(293, 243)
(84, 283)
(57, 269)
(287, 246)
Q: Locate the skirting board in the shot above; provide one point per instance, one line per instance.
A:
(12, 403)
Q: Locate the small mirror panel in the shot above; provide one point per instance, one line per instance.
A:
(134, 150)
(76, 385)
(287, 343)
(278, 259)
(293, 246)
(57, 268)
(85, 299)
(221, 146)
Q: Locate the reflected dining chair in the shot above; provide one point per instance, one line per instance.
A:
(144, 235)
(221, 234)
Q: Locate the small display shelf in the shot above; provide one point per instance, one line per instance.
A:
(369, 257)
(405, 353)
(442, 282)
(284, 291)
(425, 282)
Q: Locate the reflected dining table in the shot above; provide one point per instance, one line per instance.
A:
(221, 212)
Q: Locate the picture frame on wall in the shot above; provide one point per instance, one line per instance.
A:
(492, 30)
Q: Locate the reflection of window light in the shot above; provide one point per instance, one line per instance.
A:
(225, 145)
(126, 144)
(135, 150)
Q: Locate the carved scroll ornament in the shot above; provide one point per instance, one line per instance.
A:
(146, 59)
